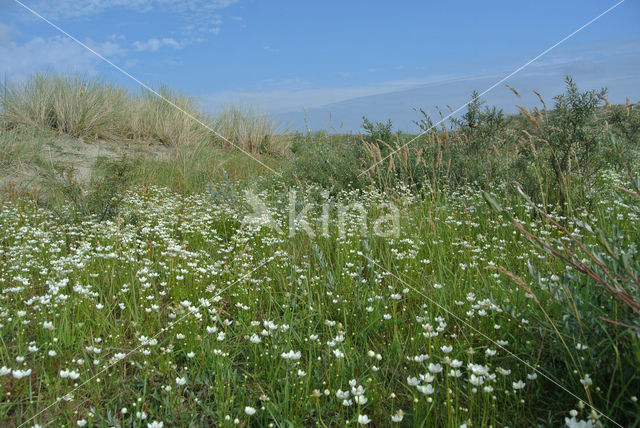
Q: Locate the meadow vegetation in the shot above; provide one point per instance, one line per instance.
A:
(485, 274)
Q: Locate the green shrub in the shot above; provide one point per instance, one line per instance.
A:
(331, 161)
(575, 140)
(377, 131)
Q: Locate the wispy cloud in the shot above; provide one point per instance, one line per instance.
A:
(292, 94)
(197, 17)
(194, 21)
(270, 49)
(282, 100)
(153, 44)
(203, 23)
(594, 66)
(67, 9)
(57, 53)
(130, 63)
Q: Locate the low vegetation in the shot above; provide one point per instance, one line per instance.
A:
(485, 274)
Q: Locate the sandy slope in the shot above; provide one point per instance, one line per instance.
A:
(78, 155)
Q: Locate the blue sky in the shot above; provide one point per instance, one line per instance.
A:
(379, 58)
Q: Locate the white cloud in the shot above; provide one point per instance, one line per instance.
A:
(153, 44)
(57, 54)
(204, 23)
(130, 63)
(107, 49)
(209, 29)
(197, 17)
(66, 9)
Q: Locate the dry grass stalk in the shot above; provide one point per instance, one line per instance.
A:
(541, 99)
(529, 116)
(514, 91)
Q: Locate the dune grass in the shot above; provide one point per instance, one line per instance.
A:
(251, 129)
(157, 120)
(90, 108)
(69, 105)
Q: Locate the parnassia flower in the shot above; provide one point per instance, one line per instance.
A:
(363, 419)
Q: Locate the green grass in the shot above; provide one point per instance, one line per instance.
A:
(187, 272)
(172, 286)
(192, 169)
(19, 149)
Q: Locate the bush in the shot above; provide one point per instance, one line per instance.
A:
(573, 133)
(331, 161)
(377, 131)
